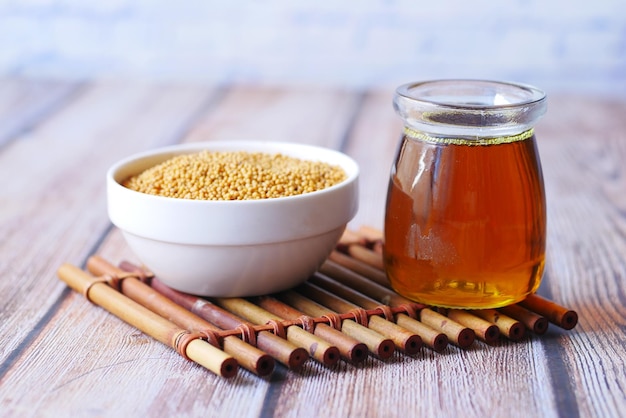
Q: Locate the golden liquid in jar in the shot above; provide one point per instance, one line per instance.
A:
(465, 222)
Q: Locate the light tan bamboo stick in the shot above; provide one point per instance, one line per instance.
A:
(485, 330)
(558, 315)
(318, 348)
(509, 327)
(457, 334)
(350, 348)
(432, 338)
(403, 339)
(148, 322)
(534, 322)
(377, 344)
(247, 356)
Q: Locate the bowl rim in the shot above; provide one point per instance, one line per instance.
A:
(233, 145)
(146, 208)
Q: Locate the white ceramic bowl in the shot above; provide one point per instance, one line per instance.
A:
(232, 248)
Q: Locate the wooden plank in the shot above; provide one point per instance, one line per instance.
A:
(24, 103)
(582, 142)
(316, 116)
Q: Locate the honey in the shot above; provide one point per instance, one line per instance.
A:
(476, 234)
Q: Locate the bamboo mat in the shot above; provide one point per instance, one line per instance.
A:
(346, 311)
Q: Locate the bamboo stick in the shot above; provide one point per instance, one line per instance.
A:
(370, 233)
(511, 328)
(349, 348)
(373, 237)
(366, 255)
(247, 356)
(282, 350)
(534, 322)
(362, 284)
(377, 344)
(403, 339)
(432, 338)
(435, 339)
(485, 330)
(318, 348)
(350, 237)
(558, 315)
(360, 267)
(456, 333)
(162, 330)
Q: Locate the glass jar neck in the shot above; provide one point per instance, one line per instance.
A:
(469, 109)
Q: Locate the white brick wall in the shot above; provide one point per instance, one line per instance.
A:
(557, 45)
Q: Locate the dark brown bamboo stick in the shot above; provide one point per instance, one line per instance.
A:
(509, 327)
(168, 333)
(349, 348)
(360, 267)
(457, 334)
(366, 255)
(374, 238)
(282, 350)
(404, 340)
(318, 348)
(534, 322)
(248, 356)
(485, 330)
(377, 344)
(432, 338)
(555, 313)
(370, 233)
(362, 284)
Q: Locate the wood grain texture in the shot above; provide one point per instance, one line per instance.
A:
(25, 103)
(60, 353)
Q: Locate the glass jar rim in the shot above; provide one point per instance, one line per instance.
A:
(505, 94)
(469, 108)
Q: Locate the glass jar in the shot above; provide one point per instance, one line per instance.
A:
(465, 221)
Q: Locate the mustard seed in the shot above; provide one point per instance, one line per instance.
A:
(236, 175)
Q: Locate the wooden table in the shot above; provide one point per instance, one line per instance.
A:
(63, 356)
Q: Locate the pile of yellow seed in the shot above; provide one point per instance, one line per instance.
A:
(237, 175)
